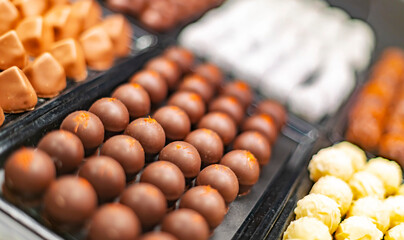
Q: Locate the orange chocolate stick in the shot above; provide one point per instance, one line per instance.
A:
(28, 8)
(63, 23)
(120, 32)
(16, 92)
(12, 52)
(9, 16)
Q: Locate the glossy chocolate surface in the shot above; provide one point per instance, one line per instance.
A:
(244, 165)
(198, 84)
(153, 83)
(256, 143)
(222, 124)
(175, 122)
(135, 98)
(157, 236)
(208, 144)
(190, 102)
(112, 113)
(211, 73)
(183, 57)
(240, 90)
(167, 68)
(186, 224)
(229, 105)
(275, 110)
(264, 124)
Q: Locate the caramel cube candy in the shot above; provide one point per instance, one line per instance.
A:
(46, 75)
(16, 92)
(35, 34)
(12, 52)
(62, 22)
(88, 12)
(97, 47)
(29, 8)
(2, 118)
(69, 54)
(120, 32)
(8, 16)
(52, 3)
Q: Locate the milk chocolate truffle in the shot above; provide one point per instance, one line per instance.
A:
(135, 98)
(149, 133)
(208, 144)
(221, 178)
(264, 124)
(167, 177)
(190, 102)
(167, 68)
(186, 224)
(153, 83)
(9, 16)
(70, 200)
(159, 20)
(119, 30)
(184, 155)
(222, 124)
(112, 113)
(2, 117)
(229, 105)
(29, 172)
(65, 149)
(245, 166)
(256, 143)
(275, 110)
(87, 126)
(148, 203)
(183, 57)
(127, 151)
(158, 236)
(12, 52)
(211, 73)
(112, 222)
(197, 84)
(175, 122)
(207, 201)
(240, 90)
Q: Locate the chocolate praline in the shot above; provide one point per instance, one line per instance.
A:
(186, 224)
(167, 68)
(197, 84)
(221, 178)
(256, 143)
(175, 122)
(157, 236)
(114, 221)
(229, 105)
(245, 166)
(183, 57)
(208, 144)
(240, 90)
(64, 148)
(207, 201)
(190, 102)
(167, 177)
(157, 20)
(149, 133)
(264, 124)
(275, 110)
(70, 200)
(135, 98)
(148, 203)
(112, 113)
(28, 172)
(85, 125)
(184, 155)
(106, 176)
(211, 73)
(127, 151)
(153, 83)
(222, 124)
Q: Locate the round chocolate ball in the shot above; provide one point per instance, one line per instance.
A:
(211, 73)
(157, 236)
(87, 126)
(29, 172)
(147, 201)
(167, 177)
(64, 148)
(208, 202)
(221, 178)
(114, 221)
(256, 143)
(186, 224)
(222, 124)
(167, 68)
(153, 83)
(245, 166)
(197, 84)
(149, 133)
(239, 90)
(208, 144)
(112, 113)
(135, 98)
(158, 20)
(106, 176)
(127, 151)
(70, 200)
(275, 110)
(264, 124)
(175, 122)
(184, 155)
(190, 102)
(183, 57)
(229, 105)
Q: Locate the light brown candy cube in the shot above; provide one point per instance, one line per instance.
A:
(9, 16)
(120, 32)
(63, 23)
(29, 8)
(88, 12)
(12, 52)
